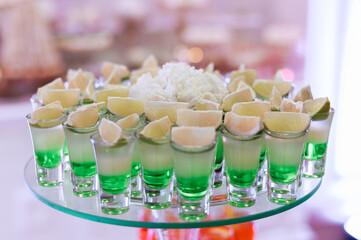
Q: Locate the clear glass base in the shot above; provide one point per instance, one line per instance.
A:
(114, 204)
(136, 186)
(157, 198)
(262, 178)
(218, 176)
(314, 168)
(241, 197)
(282, 193)
(84, 187)
(50, 177)
(66, 163)
(175, 192)
(193, 210)
(63, 199)
(299, 176)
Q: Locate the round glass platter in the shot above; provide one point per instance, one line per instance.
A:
(220, 213)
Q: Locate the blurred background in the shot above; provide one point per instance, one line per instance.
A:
(314, 42)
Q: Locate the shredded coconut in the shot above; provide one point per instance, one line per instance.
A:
(179, 82)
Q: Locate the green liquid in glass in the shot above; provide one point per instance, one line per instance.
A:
(283, 174)
(261, 158)
(136, 166)
(242, 179)
(84, 169)
(66, 151)
(157, 179)
(114, 184)
(194, 188)
(49, 159)
(219, 152)
(315, 151)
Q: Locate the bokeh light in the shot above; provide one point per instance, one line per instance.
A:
(195, 55)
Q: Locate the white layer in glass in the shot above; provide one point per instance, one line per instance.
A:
(136, 153)
(45, 139)
(284, 152)
(155, 157)
(320, 128)
(190, 165)
(79, 145)
(242, 155)
(318, 132)
(112, 161)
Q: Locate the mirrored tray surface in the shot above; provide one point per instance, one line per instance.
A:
(62, 199)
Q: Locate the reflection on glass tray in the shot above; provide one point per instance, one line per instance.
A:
(62, 199)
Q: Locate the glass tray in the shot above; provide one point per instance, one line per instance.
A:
(62, 199)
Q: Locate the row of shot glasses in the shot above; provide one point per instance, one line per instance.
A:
(146, 167)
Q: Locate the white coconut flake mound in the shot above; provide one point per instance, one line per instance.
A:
(179, 82)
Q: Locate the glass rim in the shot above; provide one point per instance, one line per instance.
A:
(324, 116)
(193, 149)
(288, 135)
(157, 141)
(227, 133)
(95, 138)
(82, 130)
(61, 120)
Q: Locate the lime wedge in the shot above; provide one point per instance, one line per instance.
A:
(275, 99)
(190, 118)
(243, 95)
(84, 117)
(286, 122)
(318, 108)
(193, 136)
(304, 94)
(242, 125)
(264, 87)
(158, 128)
(109, 131)
(257, 109)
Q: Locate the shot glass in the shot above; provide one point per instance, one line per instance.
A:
(242, 156)
(316, 145)
(218, 167)
(157, 171)
(48, 142)
(262, 169)
(284, 156)
(114, 163)
(136, 180)
(193, 166)
(66, 163)
(82, 160)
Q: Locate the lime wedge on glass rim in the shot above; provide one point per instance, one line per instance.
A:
(264, 87)
(286, 122)
(318, 108)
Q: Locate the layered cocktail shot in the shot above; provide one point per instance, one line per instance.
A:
(80, 125)
(285, 141)
(243, 138)
(317, 137)
(157, 164)
(256, 109)
(48, 142)
(126, 111)
(113, 149)
(194, 158)
(206, 118)
(262, 168)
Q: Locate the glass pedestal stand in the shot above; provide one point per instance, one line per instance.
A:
(62, 199)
